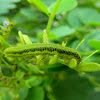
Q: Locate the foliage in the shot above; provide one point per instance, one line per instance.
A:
(45, 79)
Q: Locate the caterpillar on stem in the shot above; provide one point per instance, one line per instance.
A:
(65, 55)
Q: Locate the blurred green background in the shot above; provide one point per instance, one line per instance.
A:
(82, 22)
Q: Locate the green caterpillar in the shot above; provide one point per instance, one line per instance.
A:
(65, 53)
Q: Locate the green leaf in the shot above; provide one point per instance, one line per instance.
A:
(21, 37)
(74, 14)
(27, 39)
(62, 31)
(34, 68)
(95, 44)
(86, 14)
(36, 93)
(89, 16)
(33, 81)
(23, 84)
(95, 21)
(28, 13)
(53, 60)
(6, 5)
(89, 67)
(72, 63)
(39, 5)
(64, 6)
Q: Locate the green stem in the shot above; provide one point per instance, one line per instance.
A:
(90, 55)
(87, 53)
(79, 44)
(52, 16)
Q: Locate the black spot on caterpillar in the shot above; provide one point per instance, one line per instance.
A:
(43, 48)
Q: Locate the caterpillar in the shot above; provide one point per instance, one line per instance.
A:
(65, 53)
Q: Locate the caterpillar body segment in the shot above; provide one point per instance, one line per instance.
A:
(65, 53)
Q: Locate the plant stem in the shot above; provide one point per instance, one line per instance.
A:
(52, 16)
(79, 44)
(90, 55)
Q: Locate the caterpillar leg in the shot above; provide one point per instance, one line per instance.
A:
(72, 63)
(24, 38)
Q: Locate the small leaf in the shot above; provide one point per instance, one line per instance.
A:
(89, 16)
(95, 44)
(35, 69)
(27, 39)
(28, 13)
(65, 5)
(39, 5)
(24, 38)
(33, 81)
(89, 67)
(21, 37)
(62, 31)
(72, 63)
(74, 14)
(39, 58)
(8, 6)
(53, 60)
